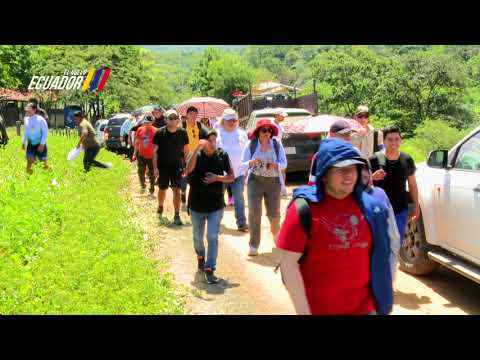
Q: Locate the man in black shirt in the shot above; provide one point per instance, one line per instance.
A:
(206, 168)
(159, 118)
(170, 147)
(392, 170)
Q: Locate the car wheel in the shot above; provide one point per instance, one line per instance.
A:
(413, 258)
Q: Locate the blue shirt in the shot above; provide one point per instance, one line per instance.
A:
(127, 125)
(36, 130)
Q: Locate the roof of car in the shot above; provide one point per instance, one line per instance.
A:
(288, 110)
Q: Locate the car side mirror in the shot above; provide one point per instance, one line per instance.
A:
(438, 159)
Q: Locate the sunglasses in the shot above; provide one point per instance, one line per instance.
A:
(173, 118)
(362, 116)
(266, 130)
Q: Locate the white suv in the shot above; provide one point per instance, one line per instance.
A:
(448, 232)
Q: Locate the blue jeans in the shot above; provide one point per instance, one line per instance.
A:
(213, 220)
(401, 219)
(238, 187)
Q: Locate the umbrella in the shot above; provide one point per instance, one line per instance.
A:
(318, 124)
(207, 107)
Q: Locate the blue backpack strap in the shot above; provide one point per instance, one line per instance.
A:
(253, 146)
(276, 146)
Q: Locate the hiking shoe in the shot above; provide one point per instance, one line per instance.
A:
(243, 228)
(184, 198)
(160, 210)
(210, 277)
(177, 220)
(253, 251)
(201, 263)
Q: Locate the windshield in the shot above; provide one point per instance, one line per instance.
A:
(117, 121)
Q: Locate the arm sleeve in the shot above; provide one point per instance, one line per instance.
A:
(373, 163)
(44, 126)
(156, 138)
(292, 236)
(282, 159)
(246, 157)
(394, 236)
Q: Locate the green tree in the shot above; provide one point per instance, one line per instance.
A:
(423, 85)
(15, 66)
(218, 74)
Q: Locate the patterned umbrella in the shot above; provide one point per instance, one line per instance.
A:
(207, 107)
(318, 124)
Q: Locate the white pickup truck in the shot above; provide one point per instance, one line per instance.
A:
(448, 232)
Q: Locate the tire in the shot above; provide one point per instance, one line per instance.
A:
(413, 258)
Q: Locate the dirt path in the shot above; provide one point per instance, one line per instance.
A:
(249, 285)
(245, 287)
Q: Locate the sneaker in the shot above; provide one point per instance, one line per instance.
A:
(231, 202)
(177, 220)
(201, 263)
(160, 210)
(210, 277)
(184, 198)
(253, 251)
(243, 228)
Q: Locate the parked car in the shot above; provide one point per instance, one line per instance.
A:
(99, 129)
(112, 138)
(448, 231)
(299, 147)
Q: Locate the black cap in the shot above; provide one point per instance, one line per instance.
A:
(341, 126)
(78, 113)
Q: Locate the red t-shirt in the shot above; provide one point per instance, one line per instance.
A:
(336, 271)
(144, 141)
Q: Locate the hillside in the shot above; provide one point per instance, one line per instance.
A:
(192, 48)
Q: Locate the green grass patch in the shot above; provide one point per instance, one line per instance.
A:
(68, 244)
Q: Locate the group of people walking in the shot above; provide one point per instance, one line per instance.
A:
(341, 235)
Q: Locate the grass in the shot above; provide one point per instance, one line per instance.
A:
(67, 244)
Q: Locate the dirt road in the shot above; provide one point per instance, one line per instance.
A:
(250, 286)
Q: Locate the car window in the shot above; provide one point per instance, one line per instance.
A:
(117, 121)
(468, 157)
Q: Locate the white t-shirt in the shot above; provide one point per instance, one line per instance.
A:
(280, 132)
(233, 143)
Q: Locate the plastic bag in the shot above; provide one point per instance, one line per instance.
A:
(73, 154)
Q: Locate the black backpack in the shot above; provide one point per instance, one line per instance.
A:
(305, 215)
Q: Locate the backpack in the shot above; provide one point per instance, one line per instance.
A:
(305, 216)
(375, 141)
(254, 143)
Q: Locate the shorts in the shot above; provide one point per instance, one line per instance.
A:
(33, 153)
(170, 176)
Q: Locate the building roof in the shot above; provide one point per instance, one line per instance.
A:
(14, 95)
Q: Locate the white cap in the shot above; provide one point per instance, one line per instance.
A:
(170, 112)
(348, 162)
(280, 111)
(229, 114)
